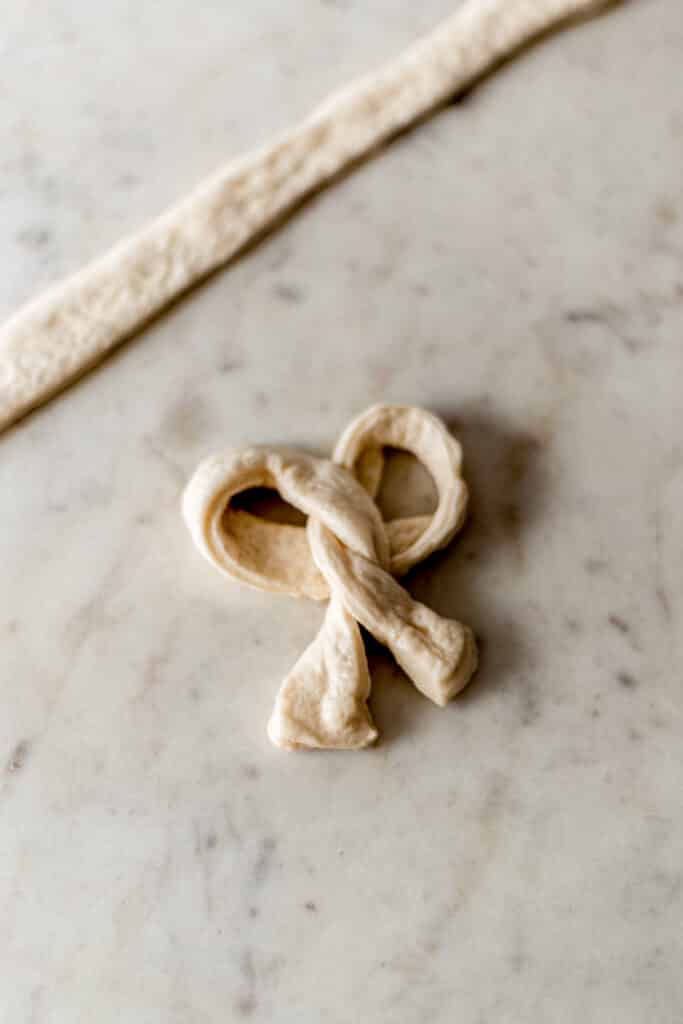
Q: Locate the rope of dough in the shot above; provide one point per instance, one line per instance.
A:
(60, 335)
(347, 553)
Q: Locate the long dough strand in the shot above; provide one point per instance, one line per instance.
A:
(57, 337)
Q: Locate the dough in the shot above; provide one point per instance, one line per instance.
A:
(351, 557)
(56, 338)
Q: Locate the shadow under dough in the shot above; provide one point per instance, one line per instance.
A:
(503, 467)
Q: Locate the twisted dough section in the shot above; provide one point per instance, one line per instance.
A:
(347, 553)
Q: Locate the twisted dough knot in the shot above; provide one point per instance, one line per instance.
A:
(346, 553)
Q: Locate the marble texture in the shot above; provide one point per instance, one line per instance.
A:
(516, 265)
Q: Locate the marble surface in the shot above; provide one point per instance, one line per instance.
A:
(514, 264)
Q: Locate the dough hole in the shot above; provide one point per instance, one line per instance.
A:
(266, 503)
(406, 487)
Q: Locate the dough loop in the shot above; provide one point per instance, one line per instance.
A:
(346, 553)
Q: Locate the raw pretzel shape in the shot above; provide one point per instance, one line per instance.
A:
(347, 553)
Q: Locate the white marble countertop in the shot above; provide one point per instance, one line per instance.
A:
(516, 264)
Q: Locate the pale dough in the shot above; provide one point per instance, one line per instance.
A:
(57, 337)
(348, 554)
